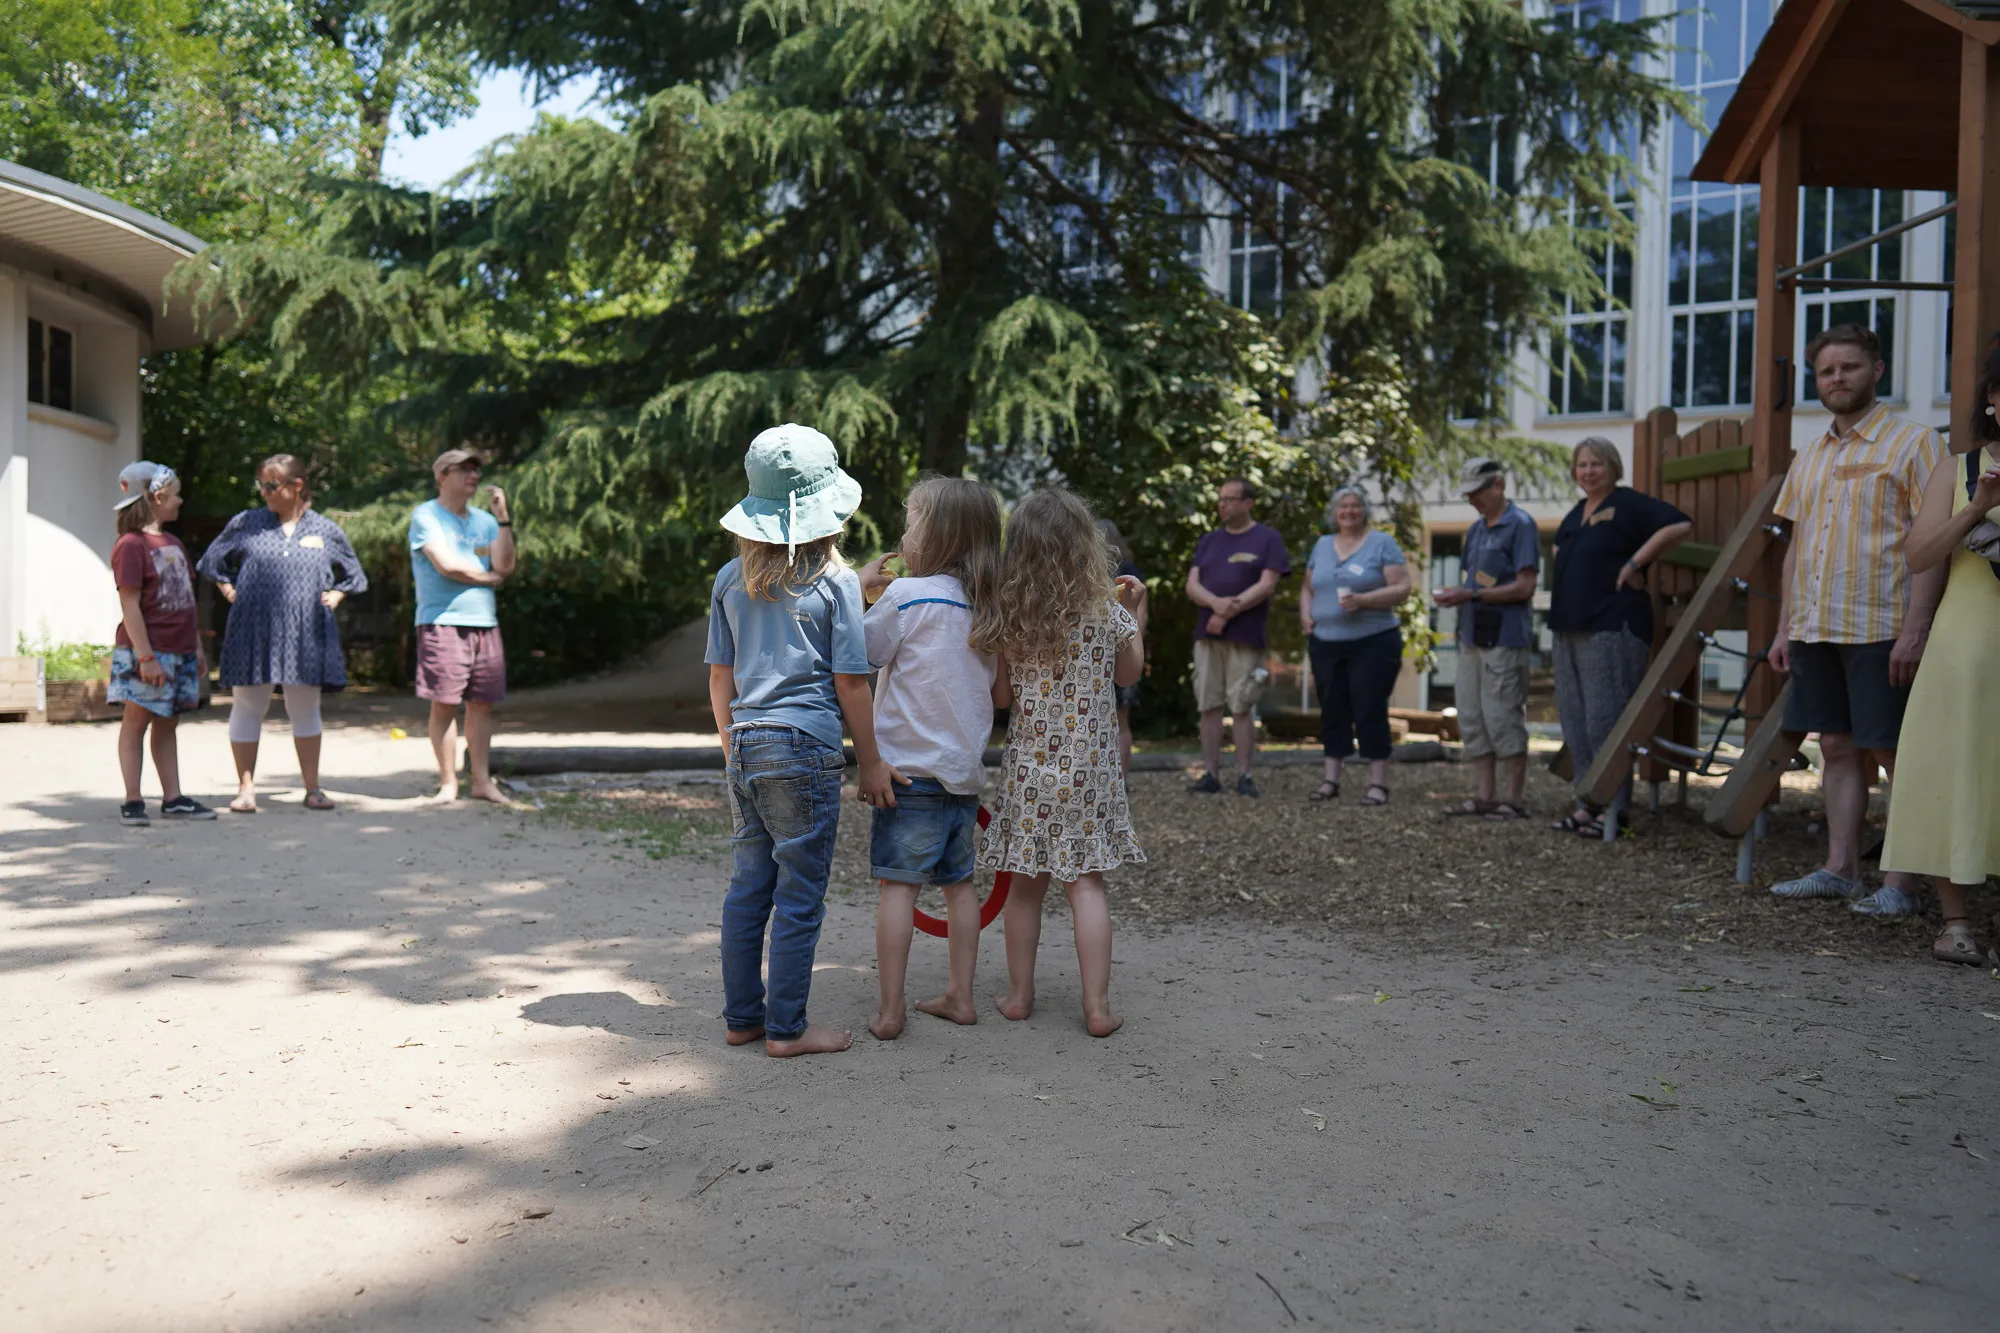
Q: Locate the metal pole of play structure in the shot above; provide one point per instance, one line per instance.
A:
(1746, 847)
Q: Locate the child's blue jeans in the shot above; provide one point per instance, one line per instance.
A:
(784, 797)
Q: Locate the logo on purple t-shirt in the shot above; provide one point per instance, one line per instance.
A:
(1229, 563)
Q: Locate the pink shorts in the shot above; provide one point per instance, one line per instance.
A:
(456, 663)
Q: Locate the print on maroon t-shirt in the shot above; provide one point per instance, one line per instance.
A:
(1229, 563)
(158, 566)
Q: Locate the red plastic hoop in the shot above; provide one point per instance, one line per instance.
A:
(988, 910)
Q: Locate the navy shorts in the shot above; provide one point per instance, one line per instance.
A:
(928, 838)
(1844, 688)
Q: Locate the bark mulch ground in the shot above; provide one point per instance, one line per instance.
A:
(1400, 873)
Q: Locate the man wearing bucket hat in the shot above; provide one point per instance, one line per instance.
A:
(458, 556)
(1500, 558)
(787, 661)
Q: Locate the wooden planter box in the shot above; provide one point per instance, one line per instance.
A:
(26, 694)
(78, 701)
(21, 688)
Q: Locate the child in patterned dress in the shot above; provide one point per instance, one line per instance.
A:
(933, 713)
(1066, 635)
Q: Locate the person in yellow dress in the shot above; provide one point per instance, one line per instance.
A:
(1944, 813)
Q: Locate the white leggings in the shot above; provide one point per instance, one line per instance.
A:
(249, 703)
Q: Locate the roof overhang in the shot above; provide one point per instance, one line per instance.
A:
(1873, 85)
(112, 251)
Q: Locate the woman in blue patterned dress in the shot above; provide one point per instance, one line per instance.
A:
(284, 569)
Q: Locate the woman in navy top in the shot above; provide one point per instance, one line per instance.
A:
(1599, 610)
(283, 568)
(1356, 577)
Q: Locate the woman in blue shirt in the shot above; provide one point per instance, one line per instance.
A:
(1355, 579)
(283, 569)
(1600, 613)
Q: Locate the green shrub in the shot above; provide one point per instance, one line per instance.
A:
(66, 661)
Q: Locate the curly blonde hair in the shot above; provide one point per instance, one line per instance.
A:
(767, 568)
(1056, 569)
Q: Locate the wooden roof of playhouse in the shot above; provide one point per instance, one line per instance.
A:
(1872, 94)
(1872, 84)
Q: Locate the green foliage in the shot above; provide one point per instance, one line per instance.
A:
(65, 661)
(954, 234)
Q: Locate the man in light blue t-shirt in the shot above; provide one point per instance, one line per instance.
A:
(458, 556)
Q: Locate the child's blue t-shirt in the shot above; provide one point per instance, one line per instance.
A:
(446, 601)
(784, 653)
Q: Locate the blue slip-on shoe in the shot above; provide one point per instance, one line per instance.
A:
(1821, 883)
(1887, 901)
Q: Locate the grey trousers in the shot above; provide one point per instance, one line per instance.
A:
(1596, 674)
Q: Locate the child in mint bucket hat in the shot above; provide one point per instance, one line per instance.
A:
(787, 661)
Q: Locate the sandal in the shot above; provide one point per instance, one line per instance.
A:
(1503, 811)
(1370, 798)
(318, 800)
(236, 807)
(1956, 945)
(1573, 822)
(1471, 805)
(1326, 791)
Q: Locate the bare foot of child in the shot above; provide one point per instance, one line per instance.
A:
(951, 1007)
(815, 1040)
(444, 796)
(1102, 1023)
(1013, 1007)
(744, 1037)
(491, 792)
(887, 1025)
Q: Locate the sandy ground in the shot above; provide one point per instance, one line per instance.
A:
(401, 1067)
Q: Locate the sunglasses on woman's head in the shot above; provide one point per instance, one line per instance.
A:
(270, 486)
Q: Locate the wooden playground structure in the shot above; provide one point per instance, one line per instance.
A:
(1879, 94)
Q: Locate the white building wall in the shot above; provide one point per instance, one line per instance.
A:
(59, 469)
(13, 460)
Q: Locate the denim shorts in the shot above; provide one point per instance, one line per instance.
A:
(927, 838)
(180, 692)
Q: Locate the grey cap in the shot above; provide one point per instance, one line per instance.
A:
(1478, 474)
(451, 458)
(143, 478)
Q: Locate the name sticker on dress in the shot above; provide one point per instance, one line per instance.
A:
(312, 543)
(1601, 516)
(481, 551)
(1243, 558)
(1484, 580)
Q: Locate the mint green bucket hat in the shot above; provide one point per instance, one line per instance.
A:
(798, 492)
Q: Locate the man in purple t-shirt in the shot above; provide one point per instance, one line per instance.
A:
(1236, 567)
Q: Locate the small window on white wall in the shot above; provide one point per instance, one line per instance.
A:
(51, 365)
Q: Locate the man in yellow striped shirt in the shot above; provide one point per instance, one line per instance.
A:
(1853, 620)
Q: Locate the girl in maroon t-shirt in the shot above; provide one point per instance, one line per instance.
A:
(156, 665)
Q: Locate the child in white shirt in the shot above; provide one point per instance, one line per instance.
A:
(933, 713)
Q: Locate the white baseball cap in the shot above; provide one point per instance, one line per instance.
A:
(143, 478)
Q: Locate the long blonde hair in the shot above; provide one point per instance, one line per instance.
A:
(954, 529)
(1056, 569)
(768, 568)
